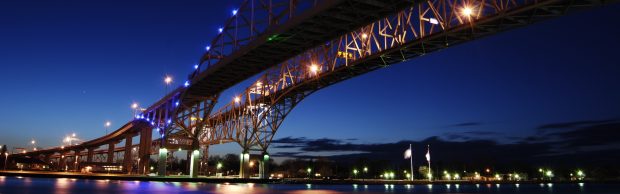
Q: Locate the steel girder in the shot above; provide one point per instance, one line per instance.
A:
(253, 118)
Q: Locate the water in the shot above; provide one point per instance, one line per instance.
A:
(25, 185)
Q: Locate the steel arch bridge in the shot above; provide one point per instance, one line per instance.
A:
(298, 47)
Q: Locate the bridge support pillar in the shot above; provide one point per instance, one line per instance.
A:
(194, 163)
(76, 160)
(62, 164)
(145, 150)
(110, 158)
(161, 162)
(244, 159)
(127, 159)
(89, 157)
(263, 171)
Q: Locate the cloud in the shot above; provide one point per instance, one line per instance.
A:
(466, 124)
(469, 135)
(568, 146)
(573, 124)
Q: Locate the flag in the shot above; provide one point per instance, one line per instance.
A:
(428, 155)
(408, 153)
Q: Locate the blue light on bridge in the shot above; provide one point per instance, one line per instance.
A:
(220, 30)
(208, 48)
(196, 66)
(186, 83)
(176, 103)
(169, 121)
(234, 11)
(152, 123)
(147, 119)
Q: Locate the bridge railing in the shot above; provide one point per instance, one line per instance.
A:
(252, 19)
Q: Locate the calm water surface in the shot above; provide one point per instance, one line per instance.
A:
(25, 185)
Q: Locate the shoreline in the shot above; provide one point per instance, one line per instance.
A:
(123, 177)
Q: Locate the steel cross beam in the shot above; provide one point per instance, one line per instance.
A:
(253, 119)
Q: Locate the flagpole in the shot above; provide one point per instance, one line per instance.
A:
(411, 161)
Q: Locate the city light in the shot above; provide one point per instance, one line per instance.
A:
(467, 11)
(73, 135)
(364, 36)
(314, 68)
(549, 173)
(107, 123)
(168, 80)
(219, 165)
(433, 21)
(33, 142)
(237, 99)
(365, 169)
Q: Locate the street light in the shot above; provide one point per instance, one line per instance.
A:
(167, 80)
(355, 173)
(34, 146)
(219, 166)
(107, 125)
(6, 158)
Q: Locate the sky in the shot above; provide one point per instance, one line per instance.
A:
(70, 66)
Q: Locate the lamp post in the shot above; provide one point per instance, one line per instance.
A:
(219, 166)
(107, 125)
(134, 107)
(309, 171)
(355, 171)
(365, 173)
(34, 145)
(167, 80)
(6, 158)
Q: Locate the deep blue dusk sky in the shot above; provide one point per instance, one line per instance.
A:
(68, 66)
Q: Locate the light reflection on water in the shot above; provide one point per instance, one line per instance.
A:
(14, 185)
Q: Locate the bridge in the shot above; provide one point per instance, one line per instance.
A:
(297, 47)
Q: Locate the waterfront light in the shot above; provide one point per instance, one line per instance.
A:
(580, 173)
(549, 173)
